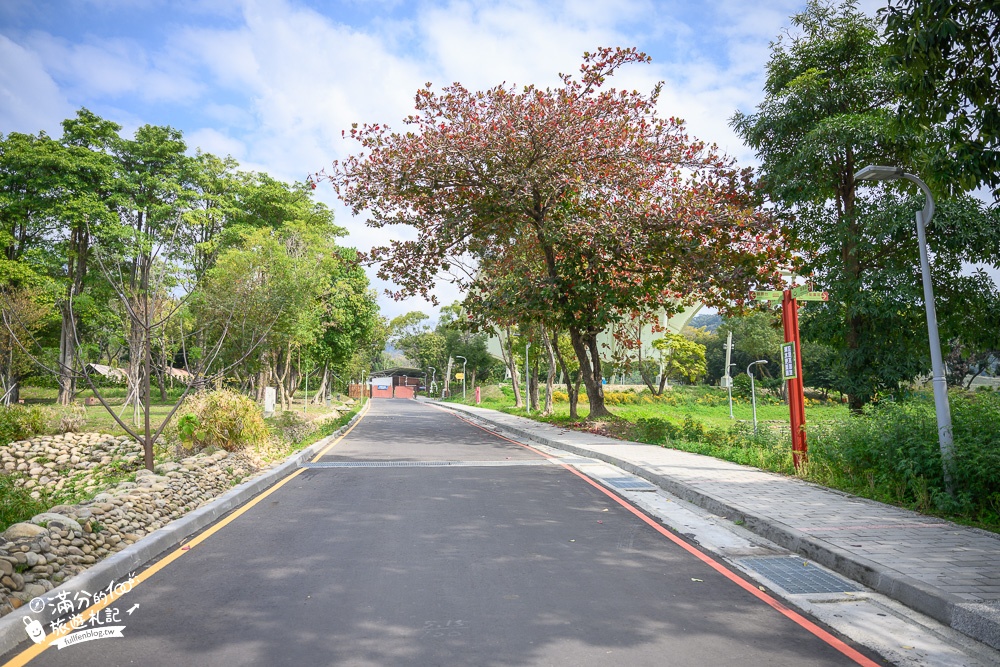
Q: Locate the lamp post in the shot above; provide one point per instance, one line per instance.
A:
(753, 393)
(464, 361)
(729, 384)
(940, 383)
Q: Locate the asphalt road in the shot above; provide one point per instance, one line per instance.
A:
(397, 562)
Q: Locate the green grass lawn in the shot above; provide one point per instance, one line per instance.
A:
(889, 453)
(708, 405)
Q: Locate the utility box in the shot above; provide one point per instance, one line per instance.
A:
(270, 395)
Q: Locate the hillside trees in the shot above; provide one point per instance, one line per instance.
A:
(830, 109)
(579, 200)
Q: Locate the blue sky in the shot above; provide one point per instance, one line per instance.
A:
(273, 83)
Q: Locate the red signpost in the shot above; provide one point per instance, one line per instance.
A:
(791, 362)
(796, 395)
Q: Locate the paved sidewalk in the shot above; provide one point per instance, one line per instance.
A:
(947, 571)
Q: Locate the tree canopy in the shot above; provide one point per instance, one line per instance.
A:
(948, 54)
(572, 206)
(829, 109)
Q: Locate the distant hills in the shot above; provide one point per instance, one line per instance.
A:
(710, 321)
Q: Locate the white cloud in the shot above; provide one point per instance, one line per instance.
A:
(274, 82)
(29, 99)
(112, 68)
(213, 141)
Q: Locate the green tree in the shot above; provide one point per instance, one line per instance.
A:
(412, 334)
(681, 358)
(829, 109)
(755, 336)
(579, 203)
(948, 54)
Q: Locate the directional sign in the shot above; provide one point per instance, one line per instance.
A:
(459, 376)
(767, 296)
(814, 296)
(800, 290)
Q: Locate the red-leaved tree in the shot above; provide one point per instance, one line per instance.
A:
(577, 206)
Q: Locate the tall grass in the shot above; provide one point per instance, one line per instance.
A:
(888, 453)
(891, 453)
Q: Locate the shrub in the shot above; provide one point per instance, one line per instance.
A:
(654, 431)
(291, 426)
(741, 385)
(891, 451)
(16, 503)
(18, 422)
(560, 396)
(222, 418)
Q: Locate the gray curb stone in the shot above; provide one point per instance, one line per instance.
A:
(978, 621)
(131, 559)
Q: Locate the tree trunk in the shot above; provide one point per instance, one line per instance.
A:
(852, 267)
(550, 378)
(319, 398)
(655, 388)
(585, 346)
(136, 358)
(67, 347)
(512, 367)
(146, 379)
(572, 391)
(281, 379)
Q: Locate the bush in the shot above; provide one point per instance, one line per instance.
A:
(16, 503)
(291, 426)
(741, 386)
(18, 422)
(223, 419)
(891, 451)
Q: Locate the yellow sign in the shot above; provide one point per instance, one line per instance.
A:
(459, 376)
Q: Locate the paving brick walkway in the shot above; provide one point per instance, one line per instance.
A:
(945, 570)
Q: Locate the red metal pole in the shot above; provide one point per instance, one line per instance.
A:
(796, 396)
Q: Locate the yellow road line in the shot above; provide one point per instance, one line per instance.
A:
(361, 415)
(35, 650)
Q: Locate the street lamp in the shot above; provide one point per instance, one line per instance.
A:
(940, 383)
(464, 361)
(753, 393)
(729, 384)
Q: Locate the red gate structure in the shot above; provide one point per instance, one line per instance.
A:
(396, 383)
(401, 391)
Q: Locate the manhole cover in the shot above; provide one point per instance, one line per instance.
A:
(629, 484)
(796, 575)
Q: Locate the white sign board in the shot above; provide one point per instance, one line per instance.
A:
(788, 365)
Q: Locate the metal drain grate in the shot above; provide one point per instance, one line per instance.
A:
(629, 484)
(424, 464)
(797, 576)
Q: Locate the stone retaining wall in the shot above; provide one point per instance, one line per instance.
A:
(38, 554)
